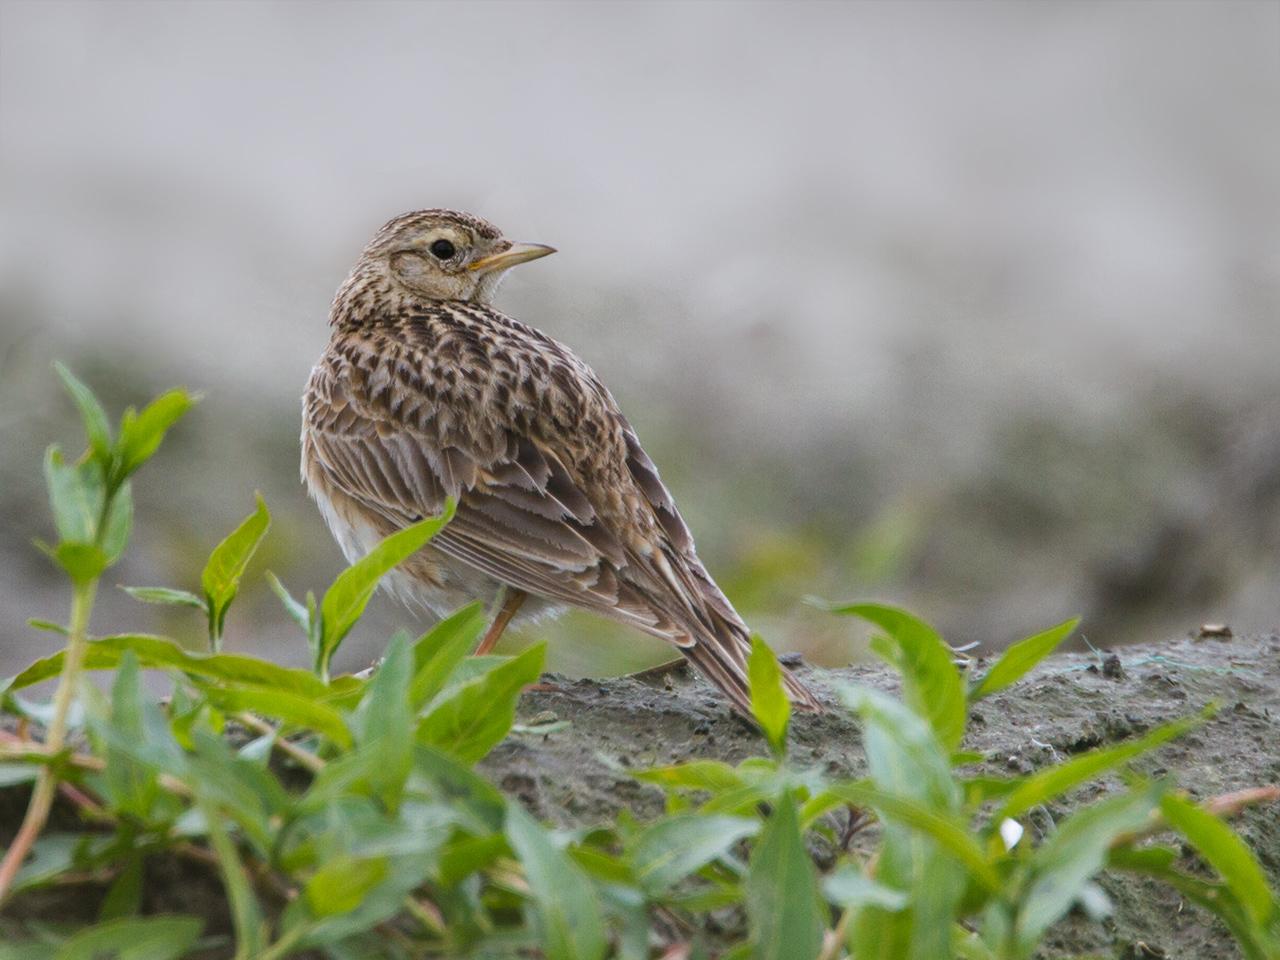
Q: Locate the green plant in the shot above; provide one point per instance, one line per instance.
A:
(344, 818)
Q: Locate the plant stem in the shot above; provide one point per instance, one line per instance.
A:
(246, 917)
(833, 941)
(284, 946)
(299, 754)
(47, 783)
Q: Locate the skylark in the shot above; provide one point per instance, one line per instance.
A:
(426, 391)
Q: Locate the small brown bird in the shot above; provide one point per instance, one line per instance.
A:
(426, 391)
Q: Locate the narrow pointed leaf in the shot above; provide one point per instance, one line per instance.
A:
(1225, 852)
(340, 885)
(142, 433)
(220, 579)
(671, 849)
(1054, 781)
(931, 681)
(298, 612)
(345, 600)
(118, 523)
(1066, 863)
(568, 909)
(1015, 662)
(782, 900)
(161, 652)
(384, 723)
(96, 427)
(165, 596)
(134, 938)
(289, 708)
(439, 651)
(714, 776)
(76, 493)
(472, 719)
(769, 702)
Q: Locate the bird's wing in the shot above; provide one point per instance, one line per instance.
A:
(523, 513)
(554, 493)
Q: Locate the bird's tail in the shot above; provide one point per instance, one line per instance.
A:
(722, 658)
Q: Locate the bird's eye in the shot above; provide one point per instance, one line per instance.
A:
(443, 249)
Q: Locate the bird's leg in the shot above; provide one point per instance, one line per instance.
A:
(510, 605)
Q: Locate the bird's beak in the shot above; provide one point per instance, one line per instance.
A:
(516, 253)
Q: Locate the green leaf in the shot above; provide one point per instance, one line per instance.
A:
(465, 855)
(142, 433)
(290, 708)
(903, 751)
(439, 651)
(298, 613)
(1255, 942)
(82, 562)
(246, 913)
(12, 774)
(384, 723)
(925, 847)
(381, 900)
(1225, 852)
(165, 596)
(783, 908)
(931, 681)
(161, 652)
(848, 887)
(76, 494)
(96, 427)
(472, 719)
(52, 854)
(714, 776)
(448, 782)
(769, 702)
(124, 898)
(1051, 782)
(342, 883)
(221, 577)
(671, 849)
(119, 523)
(568, 908)
(48, 625)
(131, 786)
(144, 938)
(1064, 865)
(947, 830)
(1021, 657)
(345, 600)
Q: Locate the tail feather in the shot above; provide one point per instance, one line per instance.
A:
(722, 659)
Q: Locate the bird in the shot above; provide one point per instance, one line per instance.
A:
(426, 392)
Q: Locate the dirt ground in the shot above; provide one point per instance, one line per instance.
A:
(1073, 702)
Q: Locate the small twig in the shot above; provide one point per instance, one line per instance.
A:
(853, 826)
(1230, 804)
(1224, 805)
(84, 761)
(427, 914)
(41, 802)
(260, 872)
(833, 940)
(304, 757)
(87, 805)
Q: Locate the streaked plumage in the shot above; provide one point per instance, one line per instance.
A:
(425, 391)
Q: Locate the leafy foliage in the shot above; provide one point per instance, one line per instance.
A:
(343, 815)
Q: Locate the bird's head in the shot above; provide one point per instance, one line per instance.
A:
(446, 255)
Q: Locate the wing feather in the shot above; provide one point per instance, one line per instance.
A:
(593, 528)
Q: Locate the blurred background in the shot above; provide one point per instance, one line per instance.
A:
(973, 307)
